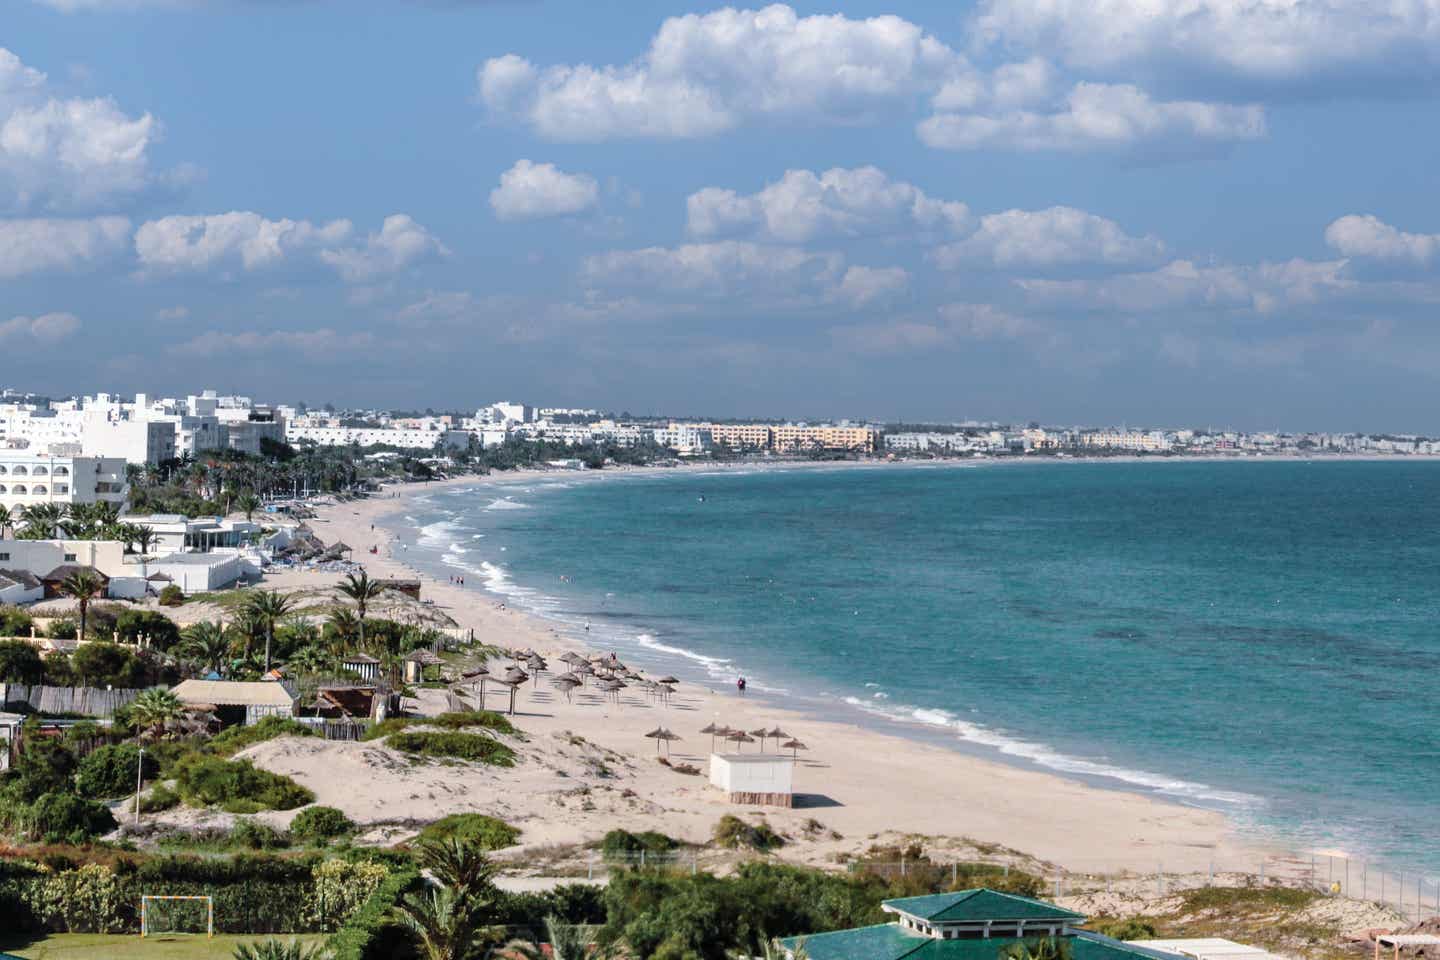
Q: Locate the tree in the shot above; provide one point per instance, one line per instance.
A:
(248, 503)
(7, 521)
(568, 941)
(102, 664)
(145, 538)
(1042, 948)
(273, 949)
(361, 589)
(460, 864)
(41, 520)
(155, 709)
(20, 662)
(269, 607)
(446, 919)
(82, 586)
(205, 643)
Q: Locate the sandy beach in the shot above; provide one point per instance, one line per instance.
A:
(860, 783)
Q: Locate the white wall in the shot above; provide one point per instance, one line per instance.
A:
(771, 774)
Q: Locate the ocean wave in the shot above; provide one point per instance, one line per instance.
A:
(1045, 756)
(439, 534)
(505, 503)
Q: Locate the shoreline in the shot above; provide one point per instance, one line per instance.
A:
(945, 789)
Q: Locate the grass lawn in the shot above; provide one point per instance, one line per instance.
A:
(104, 946)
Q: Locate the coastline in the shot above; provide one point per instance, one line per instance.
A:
(871, 781)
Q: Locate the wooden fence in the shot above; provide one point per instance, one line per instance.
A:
(87, 701)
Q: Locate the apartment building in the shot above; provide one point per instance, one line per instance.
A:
(791, 438)
(31, 477)
(739, 436)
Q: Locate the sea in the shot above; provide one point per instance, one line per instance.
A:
(1260, 637)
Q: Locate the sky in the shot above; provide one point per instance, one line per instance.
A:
(1153, 212)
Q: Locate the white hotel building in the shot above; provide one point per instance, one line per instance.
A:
(28, 478)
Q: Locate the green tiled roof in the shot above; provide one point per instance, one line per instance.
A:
(979, 905)
(889, 942)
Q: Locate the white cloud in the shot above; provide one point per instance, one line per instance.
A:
(1261, 40)
(1262, 288)
(46, 329)
(862, 286)
(67, 153)
(529, 191)
(839, 202)
(171, 314)
(401, 243)
(32, 246)
(1092, 116)
(704, 74)
(250, 242)
(323, 343)
(953, 323)
(1370, 237)
(1058, 235)
(721, 268)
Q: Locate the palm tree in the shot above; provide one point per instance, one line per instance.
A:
(1042, 948)
(206, 643)
(273, 949)
(361, 589)
(344, 626)
(145, 538)
(269, 607)
(156, 709)
(460, 865)
(7, 521)
(568, 941)
(41, 519)
(83, 585)
(248, 503)
(442, 921)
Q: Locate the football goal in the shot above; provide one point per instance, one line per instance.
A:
(176, 915)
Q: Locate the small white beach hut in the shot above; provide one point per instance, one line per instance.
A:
(758, 778)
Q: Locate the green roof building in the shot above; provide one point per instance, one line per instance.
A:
(966, 925)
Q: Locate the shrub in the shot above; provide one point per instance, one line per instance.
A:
(320, 823)
(386, 727)
(20, 662)
(371, 932)
(14, 622)
(160, 797)
(257, 836)
(171, 596)
(1131, 929)
(486, 719)
(133, 624)
(91, 899)
(624, 845)
(455, 746)
(107, 665)
(66, 818)
(235, 739)
(44, 766)
(62, 630)
(733, 832)
(488, 832)
(109, 772)
(238, 784)
(339, 887)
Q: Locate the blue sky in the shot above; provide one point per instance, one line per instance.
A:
(1208, 212)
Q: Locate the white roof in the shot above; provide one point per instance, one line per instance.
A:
(233, 693)
(1207, 948)
(1408, 939)
(752, 758)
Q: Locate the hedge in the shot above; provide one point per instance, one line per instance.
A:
(371, 932)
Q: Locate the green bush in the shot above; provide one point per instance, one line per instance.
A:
(107, 665)
(66, 818)
(486, 719)
(235, 739)
(14, 622)
(386, 727)
(624, 845)
(62, 630)
(733, 832)
(257, 836)
(109, 772)
(132, 625)
(171, 596)
(454, 746)
(159, 797)
(45, 765)
(488, 832)
(371, 932)
(20, 662)
(237, 784)
(320, 823)
(1133, 928)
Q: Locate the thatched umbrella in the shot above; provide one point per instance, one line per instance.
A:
(478, 674)
(739, 736)
(655, 735)
(512, 679)
(669, 736)
(794, 746)
(565, 684)
(667, 680)
(536, 664)
(712, 729)
(777, 734)
(760, 734)
(612, 686)
(571, 657)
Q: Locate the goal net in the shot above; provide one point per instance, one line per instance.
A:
(194, 914)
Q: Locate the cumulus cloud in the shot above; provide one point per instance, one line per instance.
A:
(862, 286)
(1058, 235)
(45, 329)
(1258, 40)
(721, 268)
(67, 153)
(250, 242)
(1092, 116)
(1262, 288)
(803, 205)
(1372, 238)
(34, 246)
(530, 191)
(322, 342)
(706, 73)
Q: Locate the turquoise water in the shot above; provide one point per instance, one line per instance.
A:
(1258, 637)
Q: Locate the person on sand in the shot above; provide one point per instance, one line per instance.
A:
(740, 685)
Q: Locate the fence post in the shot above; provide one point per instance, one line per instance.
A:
(1057, 886)
(590, 868)
(954, 874)
(1160, 880)
(642, 856)
(1210, 875)
(1262, 873)
(694, 864)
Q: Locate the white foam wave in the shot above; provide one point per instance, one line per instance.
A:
(505, 503)
(1045, 756)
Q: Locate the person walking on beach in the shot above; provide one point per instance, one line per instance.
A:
(740, 685)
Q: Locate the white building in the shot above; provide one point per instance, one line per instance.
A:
(20, 586)
(762, 778)
(505, 412)
(336, 436)
(31, 477)
(177, 534)
(684, 438)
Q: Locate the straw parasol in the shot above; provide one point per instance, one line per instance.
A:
(669, 736)
(760, 735)
(571, 657)
(514, 676)
(739, 736)
(565, 684)
(612, 686)
(777, 734)
(536, 663)
(794, 746)
(478, 674)
(712, 729)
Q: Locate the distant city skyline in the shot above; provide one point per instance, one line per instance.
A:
(1090, 213)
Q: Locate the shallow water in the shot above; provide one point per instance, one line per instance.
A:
(1258, 637)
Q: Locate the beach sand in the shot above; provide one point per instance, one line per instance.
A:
(859, 783)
